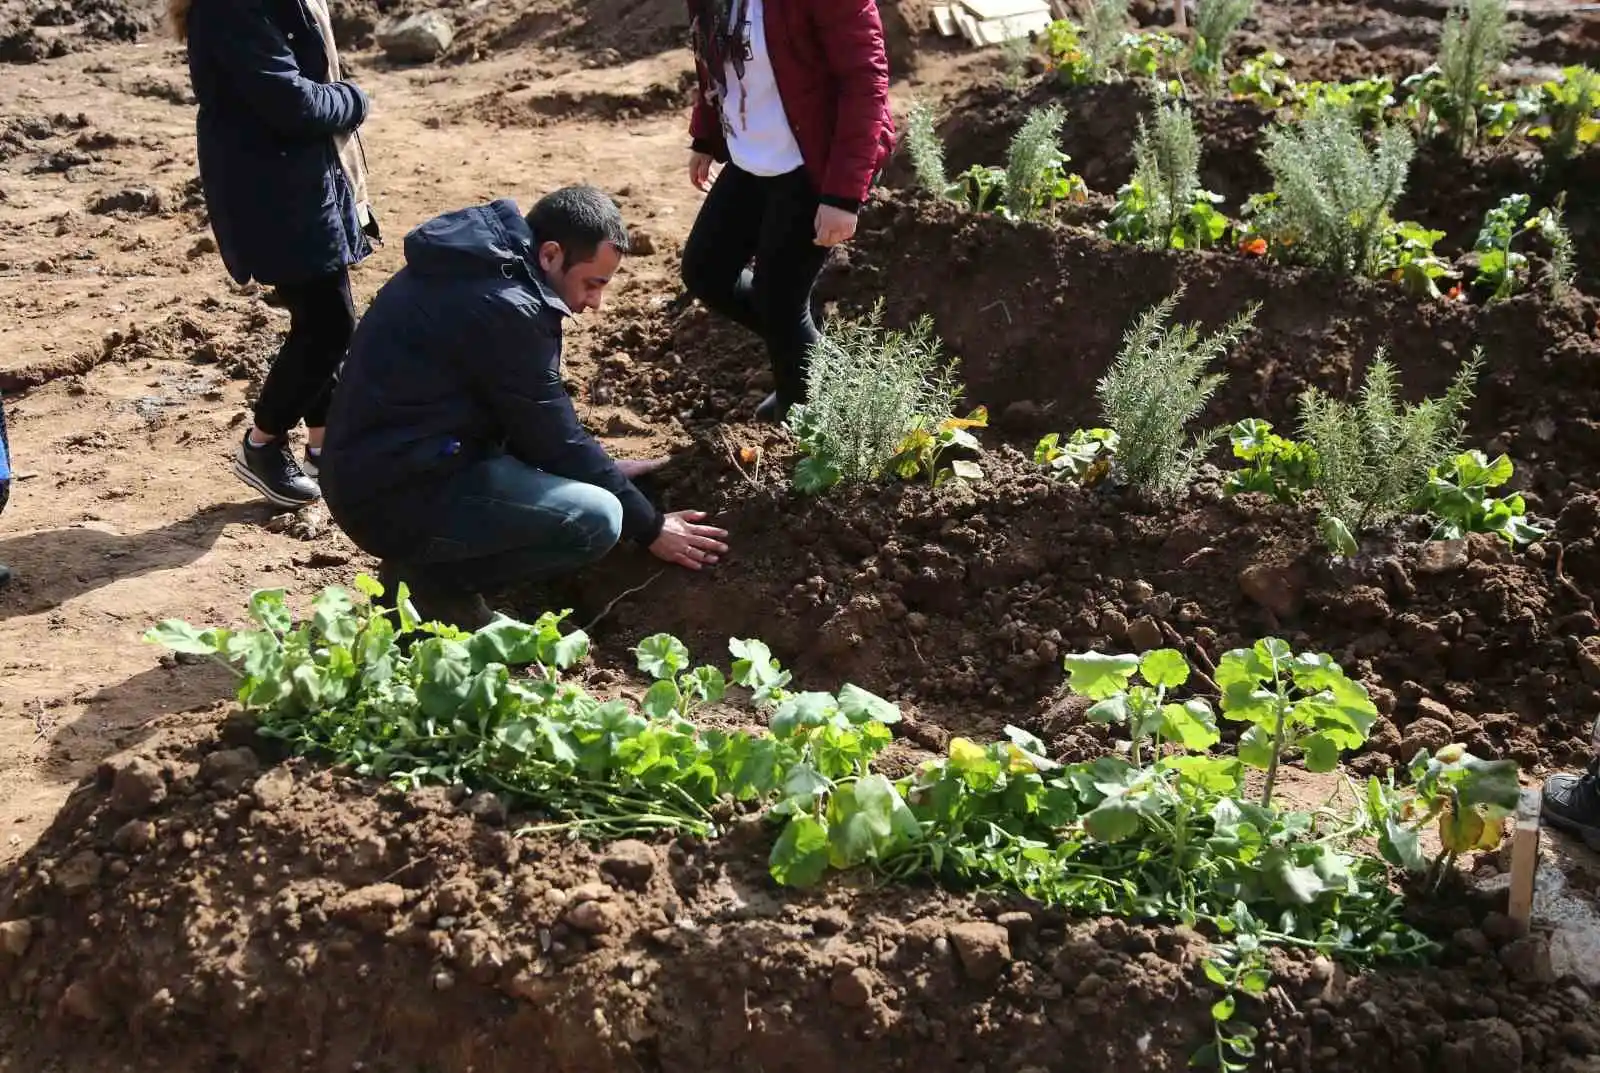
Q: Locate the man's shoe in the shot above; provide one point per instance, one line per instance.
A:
(5, 575)
(772, 410)
(272, 471)
(465, 611)
(1572, 803)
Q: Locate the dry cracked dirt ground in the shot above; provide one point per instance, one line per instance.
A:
(134, 356)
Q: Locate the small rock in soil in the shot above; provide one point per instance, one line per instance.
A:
(229, 769)
(1442, 557)
(1279, 589)
(137, 787)
(136, 199)
(630, 861)
(853, 988)
(984, 949)
(80, 872)
(1385, 738)
(1425, 733)
(273, 789)
(591, 918)
(1528, 960)
(1487, 1044)
(1145, 634)
(80, 1001)
(421, 38)
(15, 935)
(486, 808)
(641, 243)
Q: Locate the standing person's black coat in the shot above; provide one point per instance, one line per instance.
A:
(281, 205)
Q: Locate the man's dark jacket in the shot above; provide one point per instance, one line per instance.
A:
(281, 207)
(459, 359)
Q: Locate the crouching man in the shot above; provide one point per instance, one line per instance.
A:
(453, 452)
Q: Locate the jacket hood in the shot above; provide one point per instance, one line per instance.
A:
(484, 240)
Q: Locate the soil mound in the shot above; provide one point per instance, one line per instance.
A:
(284, 919)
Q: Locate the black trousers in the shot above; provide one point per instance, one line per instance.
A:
(299, 387)
(771, 221)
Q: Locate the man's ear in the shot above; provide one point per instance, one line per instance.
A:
(550, 257)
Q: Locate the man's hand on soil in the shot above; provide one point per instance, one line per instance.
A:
(687, 543)
(633, 468)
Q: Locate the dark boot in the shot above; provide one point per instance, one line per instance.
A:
(772, 410)
(436, 603)
(1572, 803)
(5, 575)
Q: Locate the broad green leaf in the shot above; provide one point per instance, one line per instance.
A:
(802, 712)
(182, 637)
(805, 781)
(800, 856)
(1098, 676)
(814, 475)
(1255, 747)
(571, 650)
(705, 684)
(1165, 667)
(513, 644)
(1113, 710)
(1192, 724)
(1401, 846)
(662, 656)
(661, 700)
(444, 670)
(1223, 1009)
(270, 612)
(1215, 774)
(1292, 883)
(868, 820)
(1113, 820)
(333, 615)
(859, 706)
(1214, 972)
(1490, 782)
(368, 586)
(1321, 753)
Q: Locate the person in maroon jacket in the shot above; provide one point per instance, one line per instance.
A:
(793, 102)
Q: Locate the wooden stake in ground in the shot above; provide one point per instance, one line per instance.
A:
(1524, 858)
(1180, 15)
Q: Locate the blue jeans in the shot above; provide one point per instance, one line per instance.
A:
(5, 460)
(494, 525)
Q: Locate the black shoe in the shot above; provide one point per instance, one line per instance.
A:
(5, 575)
(773, 410)
(463, 610)
(272, 471)
(1572, 803)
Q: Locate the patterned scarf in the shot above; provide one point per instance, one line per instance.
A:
(717, 32)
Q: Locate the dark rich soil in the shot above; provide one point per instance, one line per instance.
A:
(192, 911)
(1444, 192)
(963, 602)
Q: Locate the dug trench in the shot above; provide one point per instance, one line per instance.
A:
(962, 602)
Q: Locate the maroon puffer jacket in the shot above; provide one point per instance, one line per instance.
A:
(832, 71)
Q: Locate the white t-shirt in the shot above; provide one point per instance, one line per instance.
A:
(757, 128)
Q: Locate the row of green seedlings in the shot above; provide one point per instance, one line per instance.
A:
(1101, 45)
(1331, 207)
(1453, 98)
(883, 405)
(1366, 463)
(1164, 827)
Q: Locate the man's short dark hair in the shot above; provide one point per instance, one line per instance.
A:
(579, 219)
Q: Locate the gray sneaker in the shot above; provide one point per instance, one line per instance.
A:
(273, 471)
(1572, 803)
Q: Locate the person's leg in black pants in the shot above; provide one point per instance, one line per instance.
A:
(5, 483)
(772, 220)
(299, 387)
